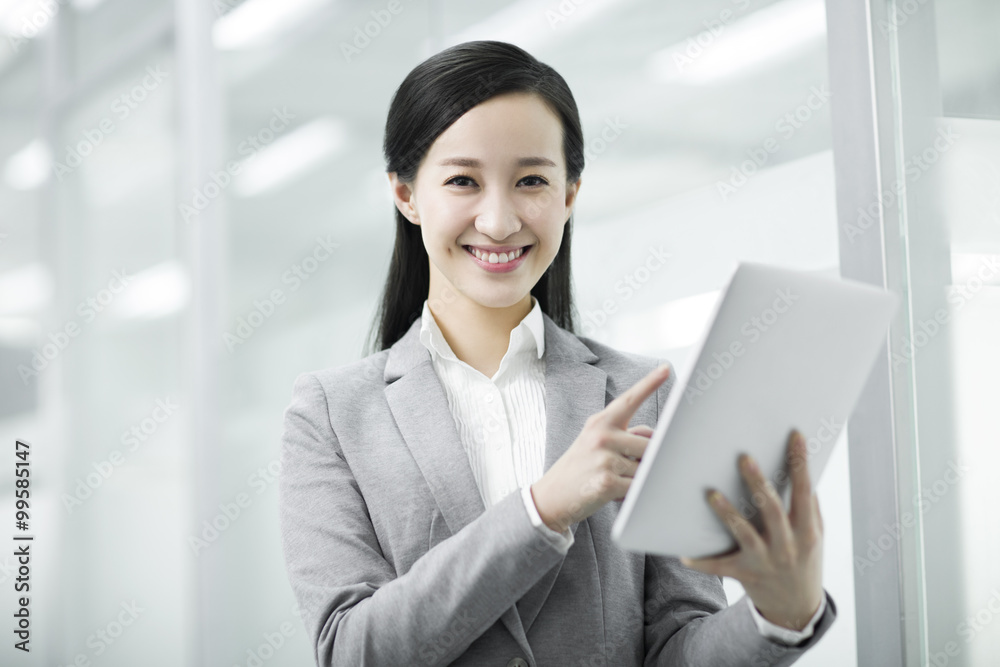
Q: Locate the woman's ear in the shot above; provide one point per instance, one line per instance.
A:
(402, 195)
(572, 189)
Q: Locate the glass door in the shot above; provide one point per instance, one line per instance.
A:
(919, 212)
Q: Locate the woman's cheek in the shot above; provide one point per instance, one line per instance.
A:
(547, 206)
(538, 208)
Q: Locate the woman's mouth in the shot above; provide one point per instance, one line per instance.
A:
(498, 262)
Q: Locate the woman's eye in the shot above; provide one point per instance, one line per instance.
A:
(465, 181)
(537, 180)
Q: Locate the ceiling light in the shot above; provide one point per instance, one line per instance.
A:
(158, 291)
(259, 22)
(522, 23)
(727, 48)
(26, 290)
(290, 156)
(29, 167)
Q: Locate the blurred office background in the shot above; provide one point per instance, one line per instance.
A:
(155, 308)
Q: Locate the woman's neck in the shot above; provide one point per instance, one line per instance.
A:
(478, 335)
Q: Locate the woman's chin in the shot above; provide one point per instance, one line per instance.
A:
(494, 298)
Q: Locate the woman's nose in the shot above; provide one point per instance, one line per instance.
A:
(498, 218)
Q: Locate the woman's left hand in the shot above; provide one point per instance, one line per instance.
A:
(782, 570)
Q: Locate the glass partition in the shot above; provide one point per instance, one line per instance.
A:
(213, 172)
(947, 129)
(918, 177)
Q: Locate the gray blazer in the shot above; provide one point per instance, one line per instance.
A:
(394, 559)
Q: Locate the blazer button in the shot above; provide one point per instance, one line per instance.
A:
(517, 662)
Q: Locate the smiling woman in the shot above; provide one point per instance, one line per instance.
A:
(449, 498)
(477, 138)
(492, 214)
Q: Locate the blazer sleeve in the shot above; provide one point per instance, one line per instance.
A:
(357, 611)
(688, 623)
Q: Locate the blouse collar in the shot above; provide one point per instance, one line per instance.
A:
(526, 338)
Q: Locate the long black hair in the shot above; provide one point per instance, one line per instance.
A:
(435, 94)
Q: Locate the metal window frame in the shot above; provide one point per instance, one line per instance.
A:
(864, 54)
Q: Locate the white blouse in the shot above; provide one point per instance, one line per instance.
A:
(501, 423)
(500, 420)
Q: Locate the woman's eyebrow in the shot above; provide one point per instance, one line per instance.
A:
(473, 163)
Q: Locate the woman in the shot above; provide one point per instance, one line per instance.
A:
(449, 498)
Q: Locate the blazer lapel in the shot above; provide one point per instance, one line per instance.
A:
(420, 408)
(574, 390)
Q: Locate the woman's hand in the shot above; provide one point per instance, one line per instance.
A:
(781, 570)
(601, 462)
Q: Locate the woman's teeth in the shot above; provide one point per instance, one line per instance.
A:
(494, 258)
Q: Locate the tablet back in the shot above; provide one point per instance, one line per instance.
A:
(786, 349)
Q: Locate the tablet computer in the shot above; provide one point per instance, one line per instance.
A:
(785, 349)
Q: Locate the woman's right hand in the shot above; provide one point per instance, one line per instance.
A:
(600, 463)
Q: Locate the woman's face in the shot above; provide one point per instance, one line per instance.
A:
(493, 182)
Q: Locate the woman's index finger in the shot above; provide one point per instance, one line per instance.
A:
(620, 410)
